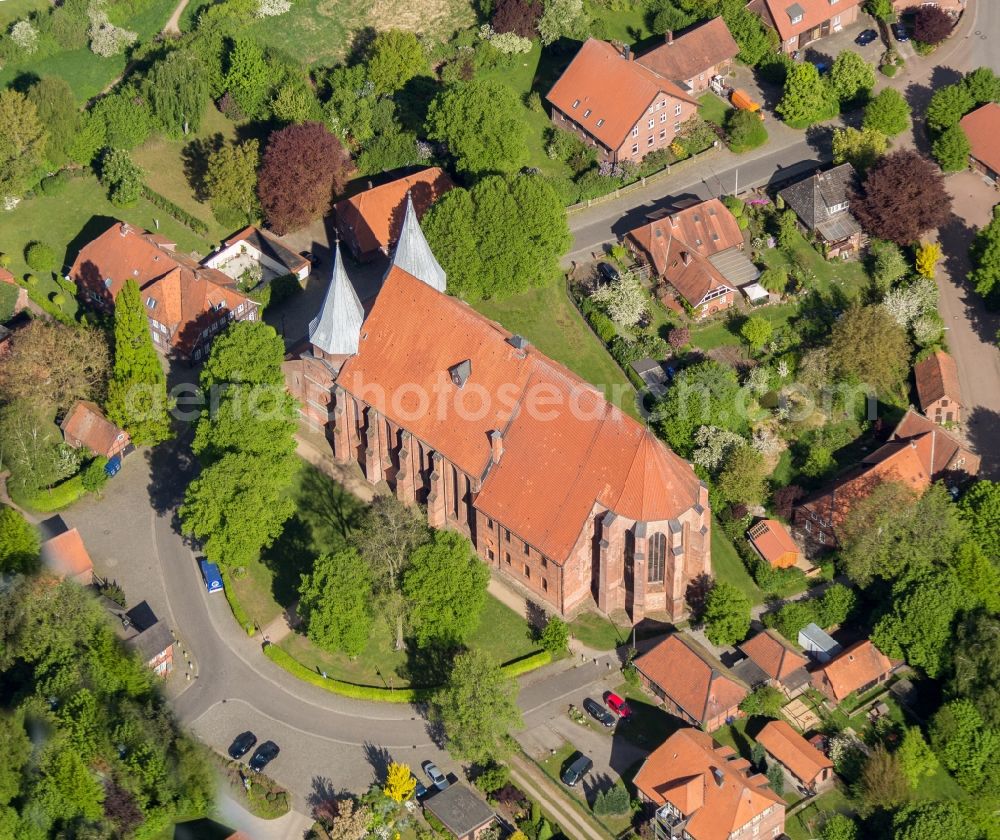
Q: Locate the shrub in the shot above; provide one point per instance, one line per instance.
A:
(53, 499)
(40, 257)
(283, 288)
(178, 213)
(55, 184)
(492, 777)
(745, 131)
(679, 337)
(526, 664)
(555, 636)
(93, 476)
(113, 591)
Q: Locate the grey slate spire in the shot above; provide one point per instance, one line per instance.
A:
(413, 254)
(337, 328)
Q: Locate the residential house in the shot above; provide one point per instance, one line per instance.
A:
(689, 683)
(691, 60)
(618, 105)
(255, 247)
(822, 203)
(809, 768)
(149, 637)
(441, 404)
(819, 644)
(86, 426)
(65, 556)
(460, 811)
(781, 666)
(801, 22)
(938, 389)
(918, 453)
(982, 127)
(697, 252)
(771, 540)
(952, 7)
(370, 221)
(21, 298)
(855, 670)
(700, 790)
(187, 304)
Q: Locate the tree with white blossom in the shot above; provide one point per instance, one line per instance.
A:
(272, 8)
(907, 304)
(24, 34)
(106, 39)
(623, 299)
(714, 445)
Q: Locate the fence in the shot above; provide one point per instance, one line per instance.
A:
(637, 185)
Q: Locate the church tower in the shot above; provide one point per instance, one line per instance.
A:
(336, 330)
(413, 254)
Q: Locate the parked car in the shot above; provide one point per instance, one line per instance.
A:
(617, 705)
(438, 779)
(598, 712)
(263, 755)
(419, 789)
(866, 37)
(242, 744)
(579, 767)
(607, 272)
(899, 32)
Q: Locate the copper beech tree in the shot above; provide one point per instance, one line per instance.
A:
(304, 167)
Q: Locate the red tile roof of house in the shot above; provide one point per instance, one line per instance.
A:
(178, 292)
(772, 540)
(697, 686)
(855, 667)
(947, 452)
(937, 377)
(375, 216)
(773, 656)
(85, 423)
(813, 13)
(7, 277)
(681, 243)
(700, 48)
(616, 92)
(794, 751)
(269, 244)
(66, 555)
(982, 127)
(566, 449)
(707, 783)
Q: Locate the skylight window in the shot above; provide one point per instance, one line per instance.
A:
(600, 122)
(576, 102)
(586, 113)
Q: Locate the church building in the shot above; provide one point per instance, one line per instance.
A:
(559, 490)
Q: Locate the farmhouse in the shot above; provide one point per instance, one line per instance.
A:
(982, 127)
(187, 304)
(568, 497)
(800, 22)
(617, 104)
(856, 669)
(86, 426)
(697, 789)
(692, 59)
(697, 252)
(938, 389)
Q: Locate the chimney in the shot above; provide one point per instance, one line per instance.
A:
(673, 221)
(496, 445)
(670, 36)
(124, 229)
(627, 52)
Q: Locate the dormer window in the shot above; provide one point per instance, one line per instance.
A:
(795, 13)
(586, 113)
(460, 373)
(151, 303)
(837, 208)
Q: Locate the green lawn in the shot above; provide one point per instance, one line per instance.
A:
(713, 109)
(804, 824)
(728, 566)
(626, 25)
(12, 10)
(71, 219)
(550, 321)
(165, 162)
(598, 631)
(322, 31)
(848, 275)
(88, 74)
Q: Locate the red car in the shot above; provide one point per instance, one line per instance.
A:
(617, 705)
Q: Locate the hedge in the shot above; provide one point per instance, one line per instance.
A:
(56, 498)
(53, 309)
(385, 695)
(239, 613)
(179, 213)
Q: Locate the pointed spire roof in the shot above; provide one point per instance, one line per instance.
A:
(413, 254)
(337, 328)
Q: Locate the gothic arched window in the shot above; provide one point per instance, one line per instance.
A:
(657, 554)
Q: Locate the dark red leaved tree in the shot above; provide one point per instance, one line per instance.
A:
(785, 499)
(932, 25)
(902, 197)
(678, 337)
(304, 166)
(517, 16)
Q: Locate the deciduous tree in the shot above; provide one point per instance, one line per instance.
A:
(122, 176)
(932, 25)
(477, 708)
(837, 826)
(764, 701)
(177, 88)
(934, 820)
(137, 392)
(928, 255)
(555, 635)
(249, 353)
(869, 347)
(623, 299)
(859, 148)
(58, 112)
(727, 614)
(19, 548)
(947, 106)
(916, 759)
(976, 667)
(882, 785)
(756, 331)
(705, 394)
(125, 116)
(562, 18)
(902, 198)
(851, 76)
(951, 149)
(399, 782)
(888, 113)
(304, 166)
(743, 478)
(335, 603)
(231, 182)
(445, 587)
(517, 16)
(22, 142)
(963, 742)
(985, 255)
(807, 97)
(482, 124)
(980, 507)
(744, 130)
(248, 78)
(395, 57)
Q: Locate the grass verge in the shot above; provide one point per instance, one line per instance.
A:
(728, 566)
